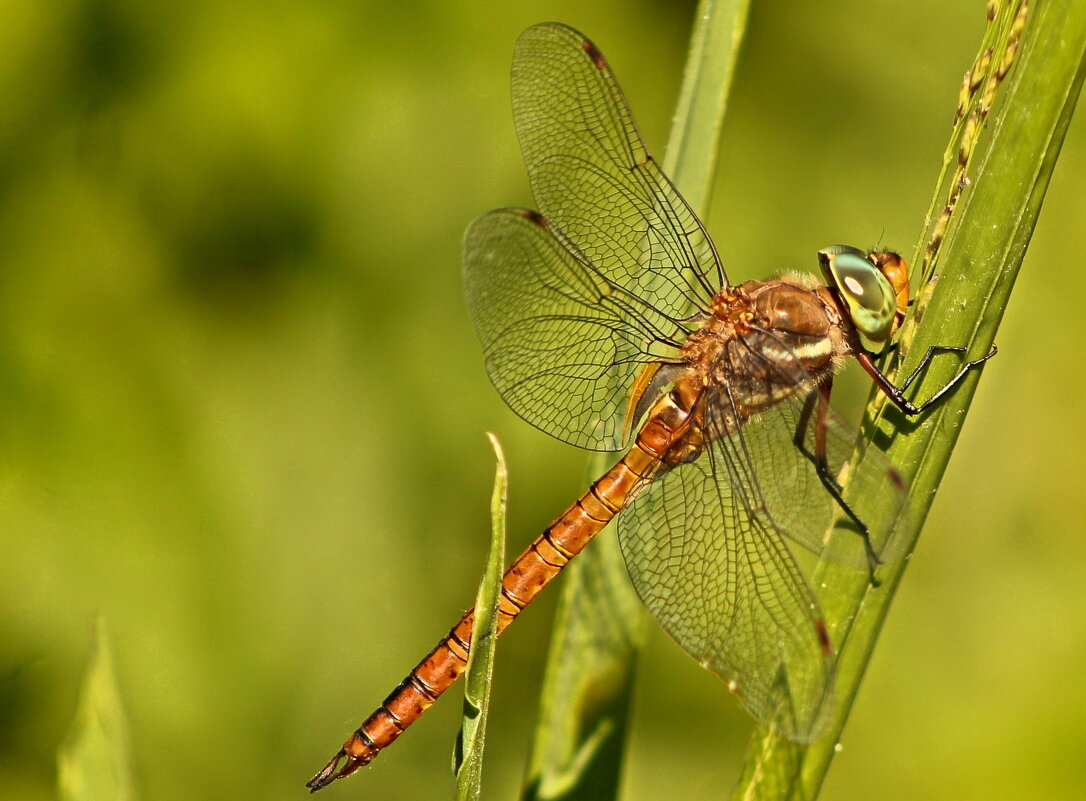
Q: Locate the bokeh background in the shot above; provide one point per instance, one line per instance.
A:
(242, 408)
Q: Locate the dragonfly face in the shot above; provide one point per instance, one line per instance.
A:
(873, 286)
(607, 321)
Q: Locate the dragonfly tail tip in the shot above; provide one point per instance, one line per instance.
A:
(330, 772)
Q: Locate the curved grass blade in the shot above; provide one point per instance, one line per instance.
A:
(693, 143)
(982, 247)
(468, 755)
(95, 760)
(599, 629)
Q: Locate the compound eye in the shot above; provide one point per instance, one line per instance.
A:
(872, 304)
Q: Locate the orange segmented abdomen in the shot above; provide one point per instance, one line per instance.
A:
(523, 580)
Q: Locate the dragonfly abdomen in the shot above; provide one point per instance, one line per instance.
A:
(522, 582)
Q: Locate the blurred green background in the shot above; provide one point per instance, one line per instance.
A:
(242, 408)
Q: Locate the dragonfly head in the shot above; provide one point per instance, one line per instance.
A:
(874, 288)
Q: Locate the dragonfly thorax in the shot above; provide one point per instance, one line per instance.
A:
(763, 342)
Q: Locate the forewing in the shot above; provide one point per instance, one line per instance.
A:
(594, 180)
(716, 573)
(561, 343)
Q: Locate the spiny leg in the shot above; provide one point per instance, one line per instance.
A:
(897, 394)
(819, 399)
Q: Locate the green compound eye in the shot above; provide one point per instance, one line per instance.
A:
(870, 297)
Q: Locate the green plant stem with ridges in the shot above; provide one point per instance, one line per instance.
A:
(979, 260)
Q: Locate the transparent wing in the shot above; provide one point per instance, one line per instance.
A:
(705, 542)
(801, 506)
(561, 342)
(777, 448)
(569, 303)
(715, 572)
(594, 180)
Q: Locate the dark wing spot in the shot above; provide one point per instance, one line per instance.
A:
(594, 54)
(897, 479)
(535, 217)
(824, 637)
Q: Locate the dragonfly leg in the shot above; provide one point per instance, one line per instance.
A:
(897, 394)
(799, 439)
(818, 404)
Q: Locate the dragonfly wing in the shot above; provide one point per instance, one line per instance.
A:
(593, 178)
(561, 342)
(794, 495)
(777, 449)
(716, 573)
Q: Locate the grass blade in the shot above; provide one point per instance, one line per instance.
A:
(599, 629)
(977, 254)
(694, 141)
(468, 756)
(95, 760)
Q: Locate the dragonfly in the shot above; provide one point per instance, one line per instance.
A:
(608, 322)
